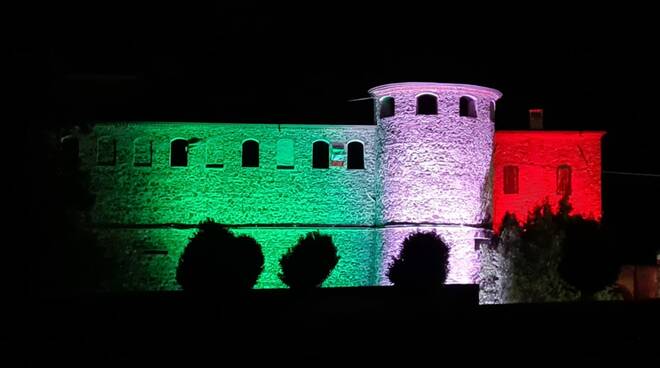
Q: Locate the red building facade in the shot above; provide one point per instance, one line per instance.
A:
(531, 166)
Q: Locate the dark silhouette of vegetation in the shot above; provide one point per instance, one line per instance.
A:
(215, 260)
(65, 257)
(548, 242)
(309, 263)
(587, 260)
(423, 262)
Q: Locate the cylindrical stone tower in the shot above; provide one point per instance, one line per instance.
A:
(435, 145)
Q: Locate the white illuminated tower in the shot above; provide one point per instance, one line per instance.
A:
(435, 145)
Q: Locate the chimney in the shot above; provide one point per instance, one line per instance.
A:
(536, 119)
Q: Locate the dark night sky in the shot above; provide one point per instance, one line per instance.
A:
(589, 69)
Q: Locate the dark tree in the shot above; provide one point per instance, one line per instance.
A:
(542, 257)
(307, 264)
(215, 260)
(587, 260)
(423, 262)
(64, 254)
(532, 252)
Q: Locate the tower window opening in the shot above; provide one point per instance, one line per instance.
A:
(468, 107)
(427, 105)
(386, 107)
(492, 111)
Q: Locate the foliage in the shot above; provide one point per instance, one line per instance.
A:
(216, 260)
(423, 262)
(308, 264)
(531, 255)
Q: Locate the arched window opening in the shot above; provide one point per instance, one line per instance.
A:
(179, 153)
(355, 156)
(427, 105)
(320, 155)
(250, 153)
(386, 107)
(468, 107)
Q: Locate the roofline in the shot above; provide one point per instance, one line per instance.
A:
(288, 125)
(433, 85)
(599, 133)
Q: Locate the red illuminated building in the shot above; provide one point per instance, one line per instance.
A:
(534, 165)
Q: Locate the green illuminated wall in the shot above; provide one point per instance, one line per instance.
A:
(139, 196)
(157, 194)
(148, 257)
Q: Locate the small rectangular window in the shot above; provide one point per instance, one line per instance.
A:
(215, 166)
(284, 156)
(106, 151)
(215, 154)
(143, 152)
(564, 180)
(510, 179)
(337, 154)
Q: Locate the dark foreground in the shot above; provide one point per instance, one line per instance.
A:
(335, 326)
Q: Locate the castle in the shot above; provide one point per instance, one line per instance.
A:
(431, 161)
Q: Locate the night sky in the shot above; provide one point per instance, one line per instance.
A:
(591, 69)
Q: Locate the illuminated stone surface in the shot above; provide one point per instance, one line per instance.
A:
(148, 257)
(435, 169)
(129, 194)
(421, 172)
(538, 154)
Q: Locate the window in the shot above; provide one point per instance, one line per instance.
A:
(214, 154)
(143, 152)
(250, 153)
(179, 153)
(337, 154)
(386, 107)
(564, 180)
(105, 151)
(320, 155)
(468, 107)
(427, 105)
(510, 179)
(355, 155)
(492, 111)
(285, 154)
(536, 118)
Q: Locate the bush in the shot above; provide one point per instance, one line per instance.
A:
(217, 260)
(551, 256)
(309, 263)
(423, 262)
